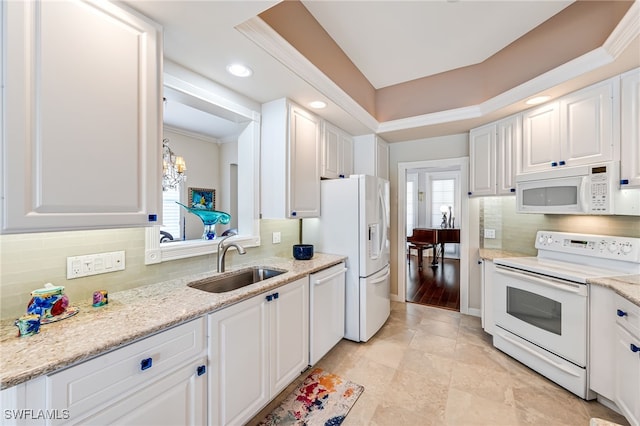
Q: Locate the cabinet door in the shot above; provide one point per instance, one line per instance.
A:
(540, 139)
(238, 337)
(488, 270)
(326, 310)
(630, 132)
(382, 159)
(178, 398)
(330, 152)
(482, 150)
(289, 333)
(83, 129)
(304, 164)
(627, 368)
(509, 132)
(586, 126)
(346, 159)
(602, 341)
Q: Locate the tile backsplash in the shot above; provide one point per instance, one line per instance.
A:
(516, 232)
(28, 261)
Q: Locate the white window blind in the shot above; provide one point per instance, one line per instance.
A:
(171, 213)
(442, 194)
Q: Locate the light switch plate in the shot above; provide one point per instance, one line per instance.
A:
(276, 238)
(94, 264)
(489, 233)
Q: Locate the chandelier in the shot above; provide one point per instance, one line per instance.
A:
(173, 168)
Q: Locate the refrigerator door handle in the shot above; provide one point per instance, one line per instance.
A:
(385, 225)
(382, 278)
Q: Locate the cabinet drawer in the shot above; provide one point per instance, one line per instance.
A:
(116, 374)
(627, 315)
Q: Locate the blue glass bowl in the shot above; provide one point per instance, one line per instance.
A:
(303, 251)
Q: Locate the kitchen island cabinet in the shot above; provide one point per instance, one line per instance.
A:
(83, 127)
(257, 347)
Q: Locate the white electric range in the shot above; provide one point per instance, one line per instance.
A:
(541, 303)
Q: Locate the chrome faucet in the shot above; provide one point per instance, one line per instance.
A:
(222, 251)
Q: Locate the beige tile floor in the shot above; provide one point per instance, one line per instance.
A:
(429, 366)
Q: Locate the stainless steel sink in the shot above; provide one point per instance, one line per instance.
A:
(235, 280)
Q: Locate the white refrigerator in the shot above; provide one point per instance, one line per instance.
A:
(354, 222)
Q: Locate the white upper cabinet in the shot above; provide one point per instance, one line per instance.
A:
(290, 161)
(337, 152)
(581, 128)
(492, 150)
(371, 156)
(482, 151)
(630, 129)
(82, 117)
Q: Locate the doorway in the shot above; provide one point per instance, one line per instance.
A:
(433, 198)
(425, 188)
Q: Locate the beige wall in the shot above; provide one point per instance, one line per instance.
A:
(28, 261)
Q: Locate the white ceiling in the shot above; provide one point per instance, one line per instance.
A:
(396, 41)
(389, 41)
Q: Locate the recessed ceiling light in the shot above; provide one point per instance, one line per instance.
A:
(318, 104)
(537, 100)
(239, 70)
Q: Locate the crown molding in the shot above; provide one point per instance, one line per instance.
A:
(191, 134)
(627, 29)
(258, 31)
(274, 44)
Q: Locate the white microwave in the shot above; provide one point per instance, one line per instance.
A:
(590, 189)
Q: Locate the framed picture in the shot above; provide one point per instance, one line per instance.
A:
(202, 198)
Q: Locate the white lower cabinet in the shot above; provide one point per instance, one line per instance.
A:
(602, 314)
(486, 298)
(327, 310)
(627, 360)
(256, 348)
(160, 380)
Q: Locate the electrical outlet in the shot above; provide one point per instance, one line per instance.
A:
(489, 233)
(276, 238)
(93, 264)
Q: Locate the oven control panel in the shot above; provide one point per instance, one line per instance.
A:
(601, 246)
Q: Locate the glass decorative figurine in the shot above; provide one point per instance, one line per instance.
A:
(209, 219)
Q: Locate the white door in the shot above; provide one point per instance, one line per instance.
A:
(374, 224)
(375, 303)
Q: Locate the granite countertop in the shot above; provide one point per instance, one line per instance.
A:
(130, 315)
(491, 254)
(627, 286)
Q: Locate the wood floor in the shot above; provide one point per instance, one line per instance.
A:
(439, 286)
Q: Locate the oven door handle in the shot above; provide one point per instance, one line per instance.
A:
(546, 281)
(537, 355)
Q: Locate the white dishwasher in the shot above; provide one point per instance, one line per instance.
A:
(326, 310)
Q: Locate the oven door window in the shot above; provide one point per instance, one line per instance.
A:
(534, 309)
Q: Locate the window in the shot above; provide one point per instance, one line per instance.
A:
(171, 213)
(410, 208)
(443, 193)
